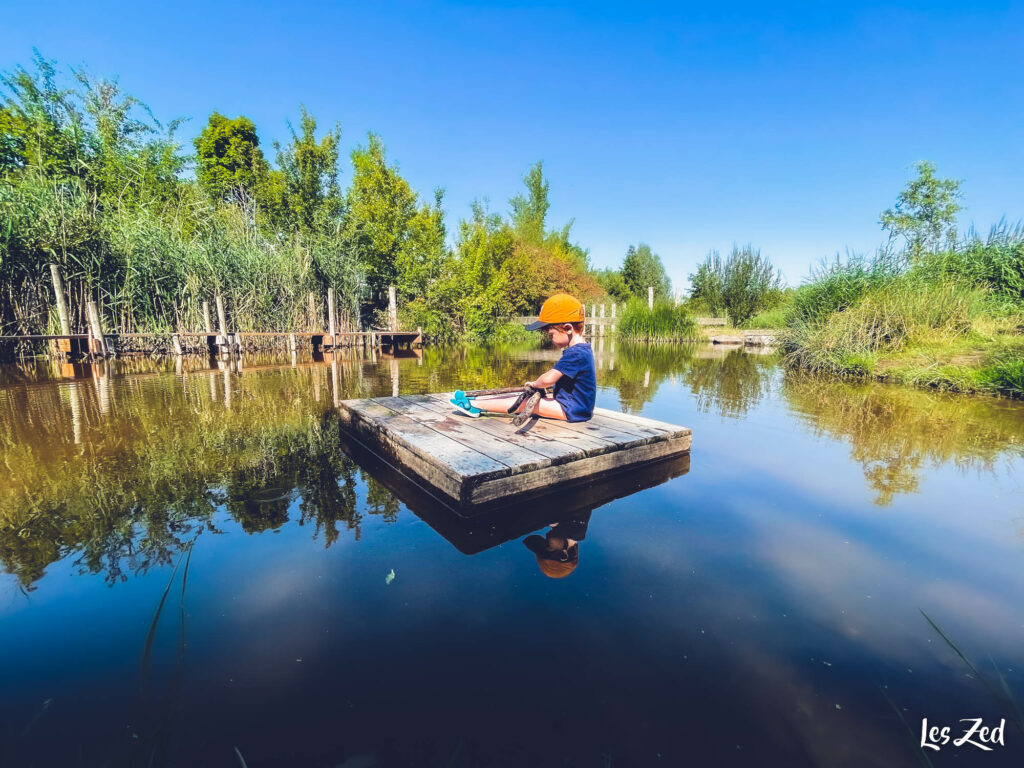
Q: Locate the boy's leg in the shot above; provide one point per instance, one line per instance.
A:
(548, 407)
(494, 404)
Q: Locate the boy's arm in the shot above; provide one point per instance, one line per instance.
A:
(546, 380)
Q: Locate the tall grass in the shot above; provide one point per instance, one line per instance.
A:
(951, 320)
(666, 322)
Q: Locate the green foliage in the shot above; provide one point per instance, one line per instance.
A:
(665, 322)
(530, 211)
(1005, 374)
(742, 285)
(380, 205)
(996, 262)
(91, 181)
(613, 284)
(309, 176)
(642, 269)
(925, 211)
(229, 161)
(839, 284)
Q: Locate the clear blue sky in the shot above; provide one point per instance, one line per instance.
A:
(788, 125)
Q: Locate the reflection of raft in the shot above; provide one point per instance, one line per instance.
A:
(497, 525)
(478, 463)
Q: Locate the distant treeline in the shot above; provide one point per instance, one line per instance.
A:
(92, 181)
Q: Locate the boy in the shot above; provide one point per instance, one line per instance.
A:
(574, 376)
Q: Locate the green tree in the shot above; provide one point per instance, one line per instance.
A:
(925, 211)
(642, 268)
(379, 207)
(530, 211)
(742, 285)
(229, 161)
(312, 197)
(614, 284)
(708, 284)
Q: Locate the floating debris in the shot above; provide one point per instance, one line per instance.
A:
(390, 577)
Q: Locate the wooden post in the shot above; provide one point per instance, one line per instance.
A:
(222, 318)
(392, 309)
(62, 307)
(211, 342)
(419, 335)
(97, 329)
(176, 344)
(650, 297)
(613, 310)
(600, 330)
(313, 324)
(292, 344)
(331, 318)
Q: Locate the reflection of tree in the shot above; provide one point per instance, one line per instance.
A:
(380, 501)
(152, 471)
(895, 431)
(730, 385)
(641, 368)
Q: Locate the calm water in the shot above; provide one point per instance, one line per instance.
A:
(194, 572)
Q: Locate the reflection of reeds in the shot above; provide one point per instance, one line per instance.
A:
(895, 431)
(152, 473)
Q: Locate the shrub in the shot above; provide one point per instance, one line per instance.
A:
(743, 284)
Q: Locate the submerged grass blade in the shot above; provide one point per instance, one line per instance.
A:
(241, 759)
(922, 758)
(147, 651)
(1004, 700)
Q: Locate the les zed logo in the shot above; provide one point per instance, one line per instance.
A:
(974, 734)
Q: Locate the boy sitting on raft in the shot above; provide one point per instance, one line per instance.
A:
(574, 376)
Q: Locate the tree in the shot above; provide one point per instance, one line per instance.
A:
(924, 212)
(229, 161)
(642, 268)
(613, 283)
(379, 207)
(529, 213)
(310, 175)
(742, 285)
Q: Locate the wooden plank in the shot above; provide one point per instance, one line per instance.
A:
(605, 429)
(516, 457)
(553, 449)
(638, 420)
(503, 487)
(590, 444)
(440, 460)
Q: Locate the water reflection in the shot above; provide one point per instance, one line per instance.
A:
(896, 432)
(740, 605)
(119, 463)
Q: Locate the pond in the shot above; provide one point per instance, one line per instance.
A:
(194, 570)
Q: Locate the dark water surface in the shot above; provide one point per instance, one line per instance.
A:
(195, 573)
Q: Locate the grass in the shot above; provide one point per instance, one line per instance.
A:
(952, 321)
(666, 322)
(774, 318)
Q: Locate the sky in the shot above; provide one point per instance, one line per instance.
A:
(691, 127)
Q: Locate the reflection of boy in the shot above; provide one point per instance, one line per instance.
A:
(558, 551)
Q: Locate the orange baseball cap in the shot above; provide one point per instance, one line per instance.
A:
(560, 308)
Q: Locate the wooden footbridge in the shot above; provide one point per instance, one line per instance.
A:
(96, 343)
(477, 464)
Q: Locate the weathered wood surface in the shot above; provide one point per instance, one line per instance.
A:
(482, 462)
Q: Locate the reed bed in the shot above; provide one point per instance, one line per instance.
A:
(665, 322)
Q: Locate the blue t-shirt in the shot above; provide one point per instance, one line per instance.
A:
(576, 390)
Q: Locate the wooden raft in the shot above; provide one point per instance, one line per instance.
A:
(478, 463)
